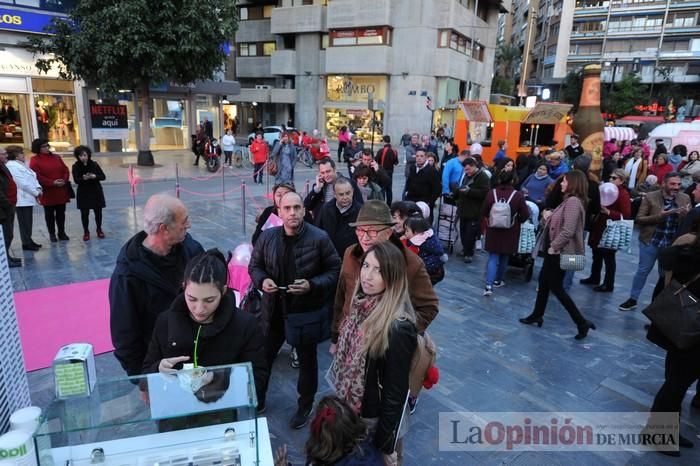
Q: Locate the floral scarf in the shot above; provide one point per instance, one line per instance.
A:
(347, 371)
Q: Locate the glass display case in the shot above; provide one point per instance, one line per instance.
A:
(201, 416)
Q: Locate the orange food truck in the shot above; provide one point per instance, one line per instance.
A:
(544, 125)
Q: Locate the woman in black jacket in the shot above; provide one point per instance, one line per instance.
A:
(203, 325)
(682, 366)
(88, 174)
(376, 343)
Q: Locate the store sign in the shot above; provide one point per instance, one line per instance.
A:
(547, 114)
(19, 61)
(24, 21)
(109, 121)
(355, 88)
(476, 110)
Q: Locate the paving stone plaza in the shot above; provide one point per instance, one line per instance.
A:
(488, 360)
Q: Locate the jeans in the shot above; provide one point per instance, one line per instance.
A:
(468, 233)
(228, 155)
(648, 254)
(552, 280)
(258, 172)
(388, 189)
(85, 218)
(25, 220)
(307, 383)
(496, 267)
(568, 279)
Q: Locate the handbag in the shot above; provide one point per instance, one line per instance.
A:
(423, 359)
(307, 328)
(527, 239)
(572, 262)
(676, 314)
(617, 235)
(71, 192)
(272, 168)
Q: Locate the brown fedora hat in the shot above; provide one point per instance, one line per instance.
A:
(374, 213)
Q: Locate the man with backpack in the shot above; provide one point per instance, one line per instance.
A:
(504, 209)
(387, 158)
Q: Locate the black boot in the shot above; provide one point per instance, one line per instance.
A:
(583, 330)
(529, 320)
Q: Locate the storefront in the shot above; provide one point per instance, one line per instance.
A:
(37, 105)
(347, 105)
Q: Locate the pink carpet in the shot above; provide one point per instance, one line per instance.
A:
(52, 317)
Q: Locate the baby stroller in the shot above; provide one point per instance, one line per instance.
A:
(446, 226)
(528, 232)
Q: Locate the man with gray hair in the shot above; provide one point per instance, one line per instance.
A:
(148, 276)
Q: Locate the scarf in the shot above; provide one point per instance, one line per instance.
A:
(541, 177)
(631, 169)
(347, 371)
(420, 238)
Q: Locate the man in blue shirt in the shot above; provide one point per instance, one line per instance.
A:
(452, 172)
(502, 146)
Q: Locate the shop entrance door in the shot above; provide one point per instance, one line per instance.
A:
(15, 125)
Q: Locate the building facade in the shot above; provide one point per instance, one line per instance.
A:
(320, 64)
(657, 39)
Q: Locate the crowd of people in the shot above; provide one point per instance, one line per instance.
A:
(347, 263)
(45, 180)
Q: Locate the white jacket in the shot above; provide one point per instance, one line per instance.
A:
(228, 142)
(28, 187)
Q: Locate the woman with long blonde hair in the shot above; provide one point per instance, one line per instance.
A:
(376, 344)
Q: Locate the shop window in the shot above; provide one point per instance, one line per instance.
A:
(14, 120)
(359, 121)
(268, 48)
(57, 120)
(539, 135)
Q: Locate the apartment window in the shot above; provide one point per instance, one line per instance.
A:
(256, 49)
(363, 36)
(682, 20)
(324, 41)
(460, 43)
(675, 46)
(268, 48)
(246, 13)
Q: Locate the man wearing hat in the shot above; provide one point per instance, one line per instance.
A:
(374, 225)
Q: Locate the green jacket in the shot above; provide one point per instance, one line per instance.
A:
(471, 198)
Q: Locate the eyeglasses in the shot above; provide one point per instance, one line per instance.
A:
(371, 234)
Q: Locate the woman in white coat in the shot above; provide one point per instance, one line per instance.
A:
(28, 189)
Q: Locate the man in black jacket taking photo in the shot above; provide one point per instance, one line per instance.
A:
(296, 267)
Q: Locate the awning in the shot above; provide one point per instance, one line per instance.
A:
(476, 110)
(547, 114)
(621, 133)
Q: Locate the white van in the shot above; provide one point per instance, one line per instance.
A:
(673, 134)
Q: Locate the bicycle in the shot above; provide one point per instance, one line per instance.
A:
(242, 157)
(304, 156)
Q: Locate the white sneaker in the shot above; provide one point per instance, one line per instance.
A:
(498, 283)
(488, 291)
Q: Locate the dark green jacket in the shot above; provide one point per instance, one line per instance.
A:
(470, 199)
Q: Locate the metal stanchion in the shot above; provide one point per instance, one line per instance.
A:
(177, 181)
(223, 184)
(243, 204)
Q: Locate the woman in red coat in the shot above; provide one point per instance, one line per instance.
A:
(661, 167)
(618, 210)
(54, 178)
(260, 152)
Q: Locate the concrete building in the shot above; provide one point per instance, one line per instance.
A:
(317, 62)
(622, 35)
(639, 36)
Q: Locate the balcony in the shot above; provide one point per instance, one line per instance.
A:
(253, 67)
(359, 13)
(370, 59)
(298, 19)
(254, 31)
(284, 62)
(283, 96)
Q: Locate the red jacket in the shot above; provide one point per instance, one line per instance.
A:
(10, 188)
(260, 151)
(660, 170)
(49, 168)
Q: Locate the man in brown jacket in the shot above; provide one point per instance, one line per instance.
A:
(658, 219)
(373, 226)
